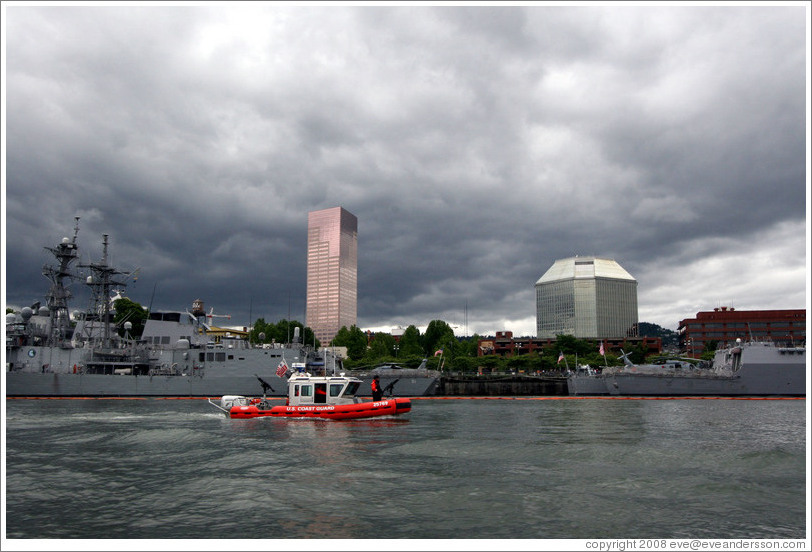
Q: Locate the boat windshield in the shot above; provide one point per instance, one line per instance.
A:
(352, 387)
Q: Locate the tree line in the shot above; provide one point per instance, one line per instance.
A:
(437, 344)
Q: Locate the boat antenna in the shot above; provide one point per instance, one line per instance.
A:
(250, 307)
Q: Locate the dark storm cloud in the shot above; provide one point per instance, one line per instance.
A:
(476, 145)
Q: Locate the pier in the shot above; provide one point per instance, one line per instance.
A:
(501, 385)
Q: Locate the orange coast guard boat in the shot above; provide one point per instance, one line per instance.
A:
(331, 397)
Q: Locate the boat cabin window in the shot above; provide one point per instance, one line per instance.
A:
(321, 393)
(352, 387)
(165, 316)
(307, 390)
(335, 389)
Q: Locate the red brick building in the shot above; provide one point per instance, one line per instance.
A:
(504, 344)
(726, 324)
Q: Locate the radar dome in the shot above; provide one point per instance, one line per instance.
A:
(26, 313)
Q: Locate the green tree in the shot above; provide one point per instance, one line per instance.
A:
(381, 346)
(409, 344)
(281, 332)
(258, 333)
(637, 354)
(438, 335)
(468, 346)
(571, 345)
(130, 311)
(353, 339)
(670, 338)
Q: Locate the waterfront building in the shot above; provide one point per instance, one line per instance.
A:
(586, 297)
(505, 345)
(332, 272)
(723, 325)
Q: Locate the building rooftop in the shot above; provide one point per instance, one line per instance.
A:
(584, 267)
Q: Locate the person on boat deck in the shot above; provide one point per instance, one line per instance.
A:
(376, 389)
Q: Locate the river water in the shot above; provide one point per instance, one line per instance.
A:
(544, 468)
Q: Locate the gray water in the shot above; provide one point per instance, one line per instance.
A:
(461, 469)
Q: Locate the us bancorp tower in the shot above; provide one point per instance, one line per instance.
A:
(586, 297)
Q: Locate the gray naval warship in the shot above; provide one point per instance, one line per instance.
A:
(177, 355)
(743, 368)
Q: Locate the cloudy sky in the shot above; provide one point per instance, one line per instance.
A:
(475, 144)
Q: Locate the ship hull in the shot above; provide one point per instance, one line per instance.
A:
(587, 385)
(208, 383)
(755, 381)
(751, 369)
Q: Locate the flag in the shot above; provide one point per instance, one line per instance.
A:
(560, 357)
(438, 352)
(282, 369)
(602, 351)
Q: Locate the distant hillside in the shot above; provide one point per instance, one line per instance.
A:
(670, 337)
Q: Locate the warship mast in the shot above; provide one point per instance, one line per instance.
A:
(58, 294)
(101, 282)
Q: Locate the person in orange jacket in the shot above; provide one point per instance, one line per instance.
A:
(377, 393)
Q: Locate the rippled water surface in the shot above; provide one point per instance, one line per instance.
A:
(463, 468)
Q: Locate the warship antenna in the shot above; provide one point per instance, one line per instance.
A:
(250, 308)
(75, 229)
(151, 297)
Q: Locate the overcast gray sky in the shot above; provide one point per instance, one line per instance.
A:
(476, 145)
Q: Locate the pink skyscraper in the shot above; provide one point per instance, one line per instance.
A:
(332, 271)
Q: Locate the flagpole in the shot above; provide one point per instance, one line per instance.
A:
(560, 357)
